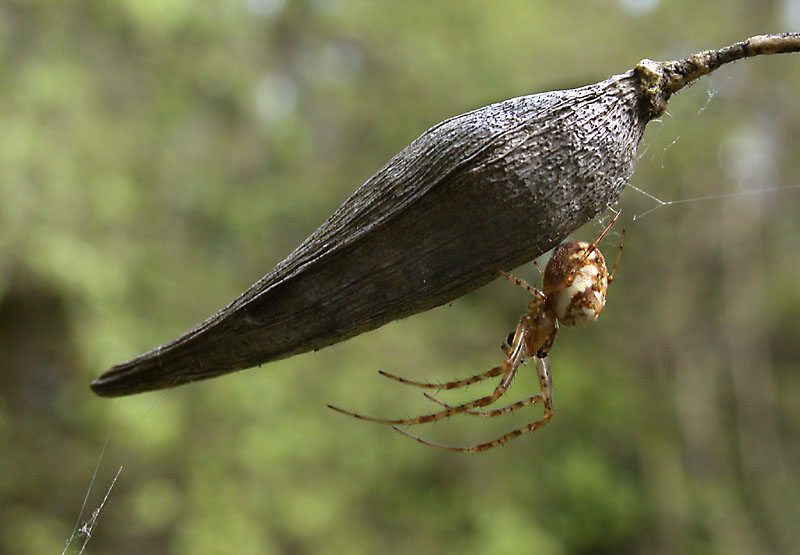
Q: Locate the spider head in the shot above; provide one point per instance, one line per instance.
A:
(575, 283)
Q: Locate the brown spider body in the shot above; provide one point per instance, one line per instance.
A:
(575, 283)
(574, 293)
(542, 322)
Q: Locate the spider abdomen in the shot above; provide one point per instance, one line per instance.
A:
(575, 283)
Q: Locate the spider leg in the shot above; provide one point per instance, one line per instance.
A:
(600, 238)
(509, 372)
(606, 230)
(535, 425)
(524, 284)
(545, 383)
(496, 371)
(508, 369)
(533, 399)
(616, 261)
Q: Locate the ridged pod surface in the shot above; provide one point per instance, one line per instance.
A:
(477, 193)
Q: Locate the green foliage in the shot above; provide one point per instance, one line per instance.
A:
(159, 156)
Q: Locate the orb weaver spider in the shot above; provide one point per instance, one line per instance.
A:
(574, 286)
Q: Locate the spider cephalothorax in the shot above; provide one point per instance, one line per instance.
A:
(573, 293)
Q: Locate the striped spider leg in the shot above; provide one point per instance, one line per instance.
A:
(508, 370)
(532, 400)
(574, 286)
(543, 372)
(535, 334)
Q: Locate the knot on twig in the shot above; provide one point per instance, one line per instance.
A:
(652, 79)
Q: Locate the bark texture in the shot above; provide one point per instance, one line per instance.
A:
(478, 193)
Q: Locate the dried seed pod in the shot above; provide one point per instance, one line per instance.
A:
(486, 190)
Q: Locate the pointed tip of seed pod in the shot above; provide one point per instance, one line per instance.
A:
(118, 381)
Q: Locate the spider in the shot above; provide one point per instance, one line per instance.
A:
(574, 286)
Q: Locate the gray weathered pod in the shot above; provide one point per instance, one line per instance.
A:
(480, 192)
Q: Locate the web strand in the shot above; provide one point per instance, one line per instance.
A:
(664, 203)
(89, 525)
(88, 492)
(86, 527)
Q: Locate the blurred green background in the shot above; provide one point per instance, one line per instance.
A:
(159, 156)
